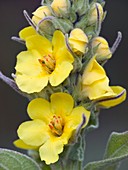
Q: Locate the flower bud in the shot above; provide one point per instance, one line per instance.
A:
(59, 5)
(94, 15)
(102, 48)
(40, 13)
(78, 41)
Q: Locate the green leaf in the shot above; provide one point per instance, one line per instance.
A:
(117, 145)
(12, 160)
(116, 151)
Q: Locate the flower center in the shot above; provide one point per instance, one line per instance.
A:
(56, 125)
(48, 63)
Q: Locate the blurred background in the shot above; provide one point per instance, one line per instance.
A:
(13, 106)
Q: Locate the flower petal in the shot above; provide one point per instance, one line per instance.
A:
(40, 43)
(98, 90)
(60, 50)
(113, 101)
(39, 108)
(20, 144)
(93, 72)
(33, 132)
(50, 149)
(42, 12)
(75, 118)
(78, 35)
(77, 45)
(61, 103)
(27, 32)
(31, 84)
(30, 71)
(67, 132)
(60, 73)
(59, 6)
(28, 64)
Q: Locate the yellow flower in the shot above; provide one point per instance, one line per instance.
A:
(78, 41)
(59, 5)
(43, 61)
(52, 126)
(103, 51)
(93, 13)
(40, 13)
(95, 86)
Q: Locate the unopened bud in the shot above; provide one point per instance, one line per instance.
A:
(60, 5)
(40, 13)
(39, 19)
(102, 48)
(78, 41)
(93, 16)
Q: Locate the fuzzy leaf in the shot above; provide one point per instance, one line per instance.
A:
(116, 151)
(12, 160)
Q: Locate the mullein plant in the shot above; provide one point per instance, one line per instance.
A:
(61, 73)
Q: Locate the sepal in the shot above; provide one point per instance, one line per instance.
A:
(80, 7)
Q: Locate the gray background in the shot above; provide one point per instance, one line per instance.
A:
(13, 106)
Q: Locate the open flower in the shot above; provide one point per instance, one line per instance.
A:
(52, 126)
(78, 41)
(43, 61)
(102, 48)
(95, 86)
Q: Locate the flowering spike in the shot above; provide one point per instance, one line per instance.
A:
(29, 19)
(19, 40)
(117, 42)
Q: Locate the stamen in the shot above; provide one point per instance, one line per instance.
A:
(44, 66)
(48, 63)
(56, 125)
